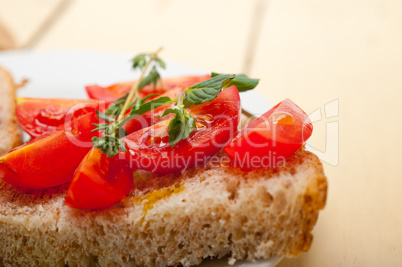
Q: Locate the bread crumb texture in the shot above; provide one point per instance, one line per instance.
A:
(199, 213)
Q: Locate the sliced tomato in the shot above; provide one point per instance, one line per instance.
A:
(51, 159)
(269, 140)
(216, 123)
(151, 117)
(38, 116)
(99, 182)
(113, 92)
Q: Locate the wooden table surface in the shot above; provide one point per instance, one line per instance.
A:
(339, 60)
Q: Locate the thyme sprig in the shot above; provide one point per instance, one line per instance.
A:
(114, 117)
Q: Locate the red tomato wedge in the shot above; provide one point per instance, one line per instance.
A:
(269, 140)
(38, 116)
(113, 92)
(216, 123)
(51, 159)
(99, 182)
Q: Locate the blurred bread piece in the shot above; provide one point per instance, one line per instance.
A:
(6, 39)
(10, 135)
(170, 220)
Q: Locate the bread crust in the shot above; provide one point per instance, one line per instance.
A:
(204, 212)
(10, 135)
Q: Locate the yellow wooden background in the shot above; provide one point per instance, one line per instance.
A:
(345, 54)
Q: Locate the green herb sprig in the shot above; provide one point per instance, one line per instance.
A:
(181, 125)
(110, 142)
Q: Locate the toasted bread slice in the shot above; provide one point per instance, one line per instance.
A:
(169, 220)
(9, 133)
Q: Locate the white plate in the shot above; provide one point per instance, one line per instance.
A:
(54, 74)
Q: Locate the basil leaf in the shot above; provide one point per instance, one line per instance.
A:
(190, 124)
(207, 90)
(241, 81)
(181, 126)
